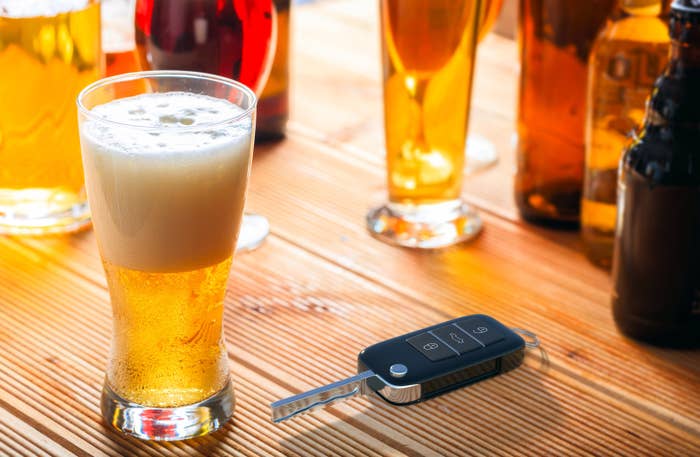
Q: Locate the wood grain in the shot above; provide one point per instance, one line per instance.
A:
(299, 309)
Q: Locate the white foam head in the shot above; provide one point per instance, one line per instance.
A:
(166, 175)
(34, 8)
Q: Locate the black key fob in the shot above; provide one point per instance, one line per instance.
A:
(435, 360)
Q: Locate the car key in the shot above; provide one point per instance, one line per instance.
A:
(422, 364)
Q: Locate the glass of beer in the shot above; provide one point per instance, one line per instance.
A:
(167, 158)
(481, 152)
(428, 53)
(49, 50)
(118, 37)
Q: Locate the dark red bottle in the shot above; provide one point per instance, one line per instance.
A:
(231, 38)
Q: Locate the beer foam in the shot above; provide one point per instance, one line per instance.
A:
(34, 8)
(117, 26)
(166, 179)
(166, 123)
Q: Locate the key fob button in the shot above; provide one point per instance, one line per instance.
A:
(485, 332)
(431, 347)
(457, 339)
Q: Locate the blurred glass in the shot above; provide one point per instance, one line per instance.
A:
(118, 36)
(49, 50)
(480, 152)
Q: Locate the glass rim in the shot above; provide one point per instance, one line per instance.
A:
(136, 75)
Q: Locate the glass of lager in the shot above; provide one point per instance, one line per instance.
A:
(49, 50)
(428, 60)
(167, 156)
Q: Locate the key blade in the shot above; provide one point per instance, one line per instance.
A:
(316, 398)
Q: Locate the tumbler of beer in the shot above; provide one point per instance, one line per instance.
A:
(166, 168)
(49, 50)
(428, 59)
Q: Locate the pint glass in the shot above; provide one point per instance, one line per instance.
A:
(166, 169)
(428, 59)
(49, 50)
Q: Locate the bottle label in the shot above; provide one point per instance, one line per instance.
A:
(626, 75)
(623, 74)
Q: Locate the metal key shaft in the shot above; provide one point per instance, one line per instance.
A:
(341, 390)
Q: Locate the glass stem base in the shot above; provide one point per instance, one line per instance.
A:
(168, 424)
(480, 154)
(254, 230)
(426, 226)
(39, 212)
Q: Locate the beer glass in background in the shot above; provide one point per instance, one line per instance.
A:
(118, 37)
(428, 60)
(166, 166)
(481, 152)
(490, 10)
(231, 38)
(49, 50)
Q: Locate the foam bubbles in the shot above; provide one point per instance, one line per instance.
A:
(33, 8)
(149, 121)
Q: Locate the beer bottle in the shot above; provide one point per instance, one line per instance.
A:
(273, 106)
(555, 41)
(626, 58)
(656, 261)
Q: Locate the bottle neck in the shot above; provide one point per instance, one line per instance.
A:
(684, 58)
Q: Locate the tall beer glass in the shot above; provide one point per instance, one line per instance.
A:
(481, 152)
(428, 54)
(166, 168)
(49, 50)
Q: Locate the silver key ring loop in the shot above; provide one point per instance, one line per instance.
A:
(531, 340)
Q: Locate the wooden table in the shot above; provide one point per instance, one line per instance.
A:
(301, 307)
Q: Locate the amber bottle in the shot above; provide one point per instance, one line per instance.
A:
(273, 106)
(555, 41)
(627, 57)
(656, 262)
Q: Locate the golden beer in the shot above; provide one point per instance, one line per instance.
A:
(45, 60)
(169, 349)
(429, 51)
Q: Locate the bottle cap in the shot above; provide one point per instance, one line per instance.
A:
(689, 6)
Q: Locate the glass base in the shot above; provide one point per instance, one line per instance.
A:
(428, 226)
(480, 154)
(168, 424)
(254, 230)
(41, 212)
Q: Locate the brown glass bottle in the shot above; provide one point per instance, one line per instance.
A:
(555, 41)
(273, 106)
(656, 262)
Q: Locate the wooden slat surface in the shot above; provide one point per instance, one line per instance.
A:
(592, 392)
